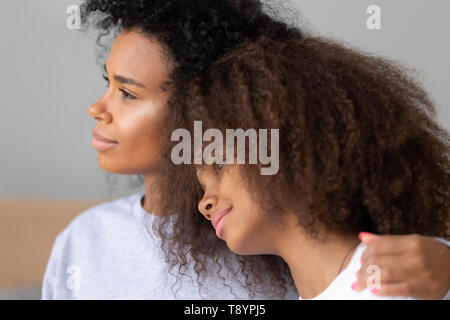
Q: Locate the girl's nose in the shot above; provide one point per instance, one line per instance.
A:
(207, 204)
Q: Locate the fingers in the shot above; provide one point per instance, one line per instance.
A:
(389, 244)
(401, 266)
(406, 265)
(394, 289)
(405, 289)
(386, 259)
(394, 282)
(382, 270)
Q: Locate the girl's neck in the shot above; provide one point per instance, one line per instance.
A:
(313, 264)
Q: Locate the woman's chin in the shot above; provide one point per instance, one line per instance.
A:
(111, 167)
(107, 167)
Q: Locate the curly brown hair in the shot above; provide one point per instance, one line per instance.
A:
(359, 143)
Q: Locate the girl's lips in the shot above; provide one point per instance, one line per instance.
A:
(219, 219)
(220, 226)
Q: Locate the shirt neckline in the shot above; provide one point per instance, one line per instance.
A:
(137, 209)
(350, 267)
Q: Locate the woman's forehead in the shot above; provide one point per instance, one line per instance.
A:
(139, 56)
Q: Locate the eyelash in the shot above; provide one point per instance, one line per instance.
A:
(125, 95)
(218, 167)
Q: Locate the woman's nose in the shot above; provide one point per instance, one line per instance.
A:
(207, 204)
(98, 111)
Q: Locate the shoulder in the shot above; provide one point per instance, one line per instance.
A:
(91, 241)
(95, 231)
(105, 217)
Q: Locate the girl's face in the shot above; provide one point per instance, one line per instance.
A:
(133, 109)
(238, 220)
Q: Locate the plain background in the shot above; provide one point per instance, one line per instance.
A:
(49, 78)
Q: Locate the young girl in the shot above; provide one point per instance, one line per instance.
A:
(107, 251)
(359, 150)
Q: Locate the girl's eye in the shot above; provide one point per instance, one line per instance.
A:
(127, 95)
(219, 166)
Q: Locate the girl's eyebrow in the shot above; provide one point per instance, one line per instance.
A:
(123, 79)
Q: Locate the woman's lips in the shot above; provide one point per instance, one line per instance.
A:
(101, 143)
(218, 220)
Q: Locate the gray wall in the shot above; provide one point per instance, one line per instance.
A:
(50, 78)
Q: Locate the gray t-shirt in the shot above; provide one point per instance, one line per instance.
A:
(107, 252)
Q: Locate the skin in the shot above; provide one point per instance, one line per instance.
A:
(133, 116)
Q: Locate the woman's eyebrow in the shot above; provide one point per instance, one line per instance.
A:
(123, 79)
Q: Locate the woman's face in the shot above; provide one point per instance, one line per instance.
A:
(133, 109)
(238, 219)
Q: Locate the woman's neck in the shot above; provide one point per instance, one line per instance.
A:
(313, 264)
(146, 201)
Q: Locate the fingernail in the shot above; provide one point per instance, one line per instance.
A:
(373, 289)
(357, 274)
(363, 234)
(354, 285)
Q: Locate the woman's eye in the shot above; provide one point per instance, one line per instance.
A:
(107, 80)
(127, 95)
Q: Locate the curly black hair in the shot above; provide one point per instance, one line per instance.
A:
(195, 32)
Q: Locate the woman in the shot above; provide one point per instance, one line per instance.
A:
(353, 132)
(106, 252)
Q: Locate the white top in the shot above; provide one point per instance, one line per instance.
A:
(340, 287)
(107, 253)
